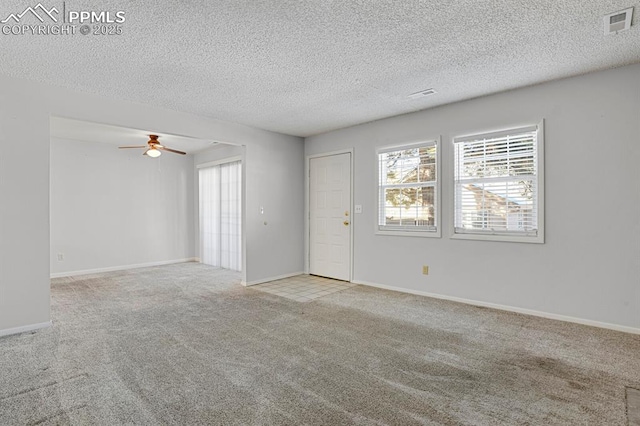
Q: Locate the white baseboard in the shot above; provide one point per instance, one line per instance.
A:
(120, 268)
(24, 328)
(266, 280)
(616, 327)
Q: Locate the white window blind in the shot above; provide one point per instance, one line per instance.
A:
(408, 191)
(497, 183)
(220, 215)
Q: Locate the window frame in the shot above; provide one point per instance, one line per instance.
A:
(488, 236)
(428, 233)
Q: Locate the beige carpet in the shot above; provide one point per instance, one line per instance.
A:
(633, 406)
(186, 344)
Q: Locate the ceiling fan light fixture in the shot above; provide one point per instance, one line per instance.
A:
(153, 152)
(154, 148)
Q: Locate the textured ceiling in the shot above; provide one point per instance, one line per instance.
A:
(306, 67)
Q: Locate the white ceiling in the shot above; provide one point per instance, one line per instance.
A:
(64, 128)
(306, 67)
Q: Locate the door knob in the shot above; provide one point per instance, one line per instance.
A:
(346, 223)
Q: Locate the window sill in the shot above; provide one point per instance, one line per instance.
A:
(398, 233)
(499, 238)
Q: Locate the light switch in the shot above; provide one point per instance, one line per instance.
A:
(358, 208)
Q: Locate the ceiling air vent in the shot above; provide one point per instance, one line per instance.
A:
(618, 21)
(422, 93)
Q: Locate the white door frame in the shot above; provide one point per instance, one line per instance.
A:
(307, 210)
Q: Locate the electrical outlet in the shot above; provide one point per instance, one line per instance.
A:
(60, 257)
(425, 270)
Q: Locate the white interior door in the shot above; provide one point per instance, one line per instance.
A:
(330, 216)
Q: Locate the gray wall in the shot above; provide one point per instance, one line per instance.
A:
(589, 266)
(24, 207)
(276, 162)
(277, 248)
(113, 208)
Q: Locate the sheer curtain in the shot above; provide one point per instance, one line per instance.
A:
(220, 211)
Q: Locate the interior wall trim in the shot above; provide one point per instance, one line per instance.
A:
(266, 280)
(121, 267)
(24, 328)
(558, 317)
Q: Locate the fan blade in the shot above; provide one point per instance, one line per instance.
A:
(138, 146)
(145, 153)
(164, 148)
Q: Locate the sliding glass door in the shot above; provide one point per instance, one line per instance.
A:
(220, 215)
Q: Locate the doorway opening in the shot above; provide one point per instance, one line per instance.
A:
(116, 209)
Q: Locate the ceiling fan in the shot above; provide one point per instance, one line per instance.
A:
(153, 147)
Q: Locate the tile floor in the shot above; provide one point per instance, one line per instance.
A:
(303, 288)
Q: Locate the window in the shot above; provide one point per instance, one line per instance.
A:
(499, 185)
(408, 190)
(220, 215)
